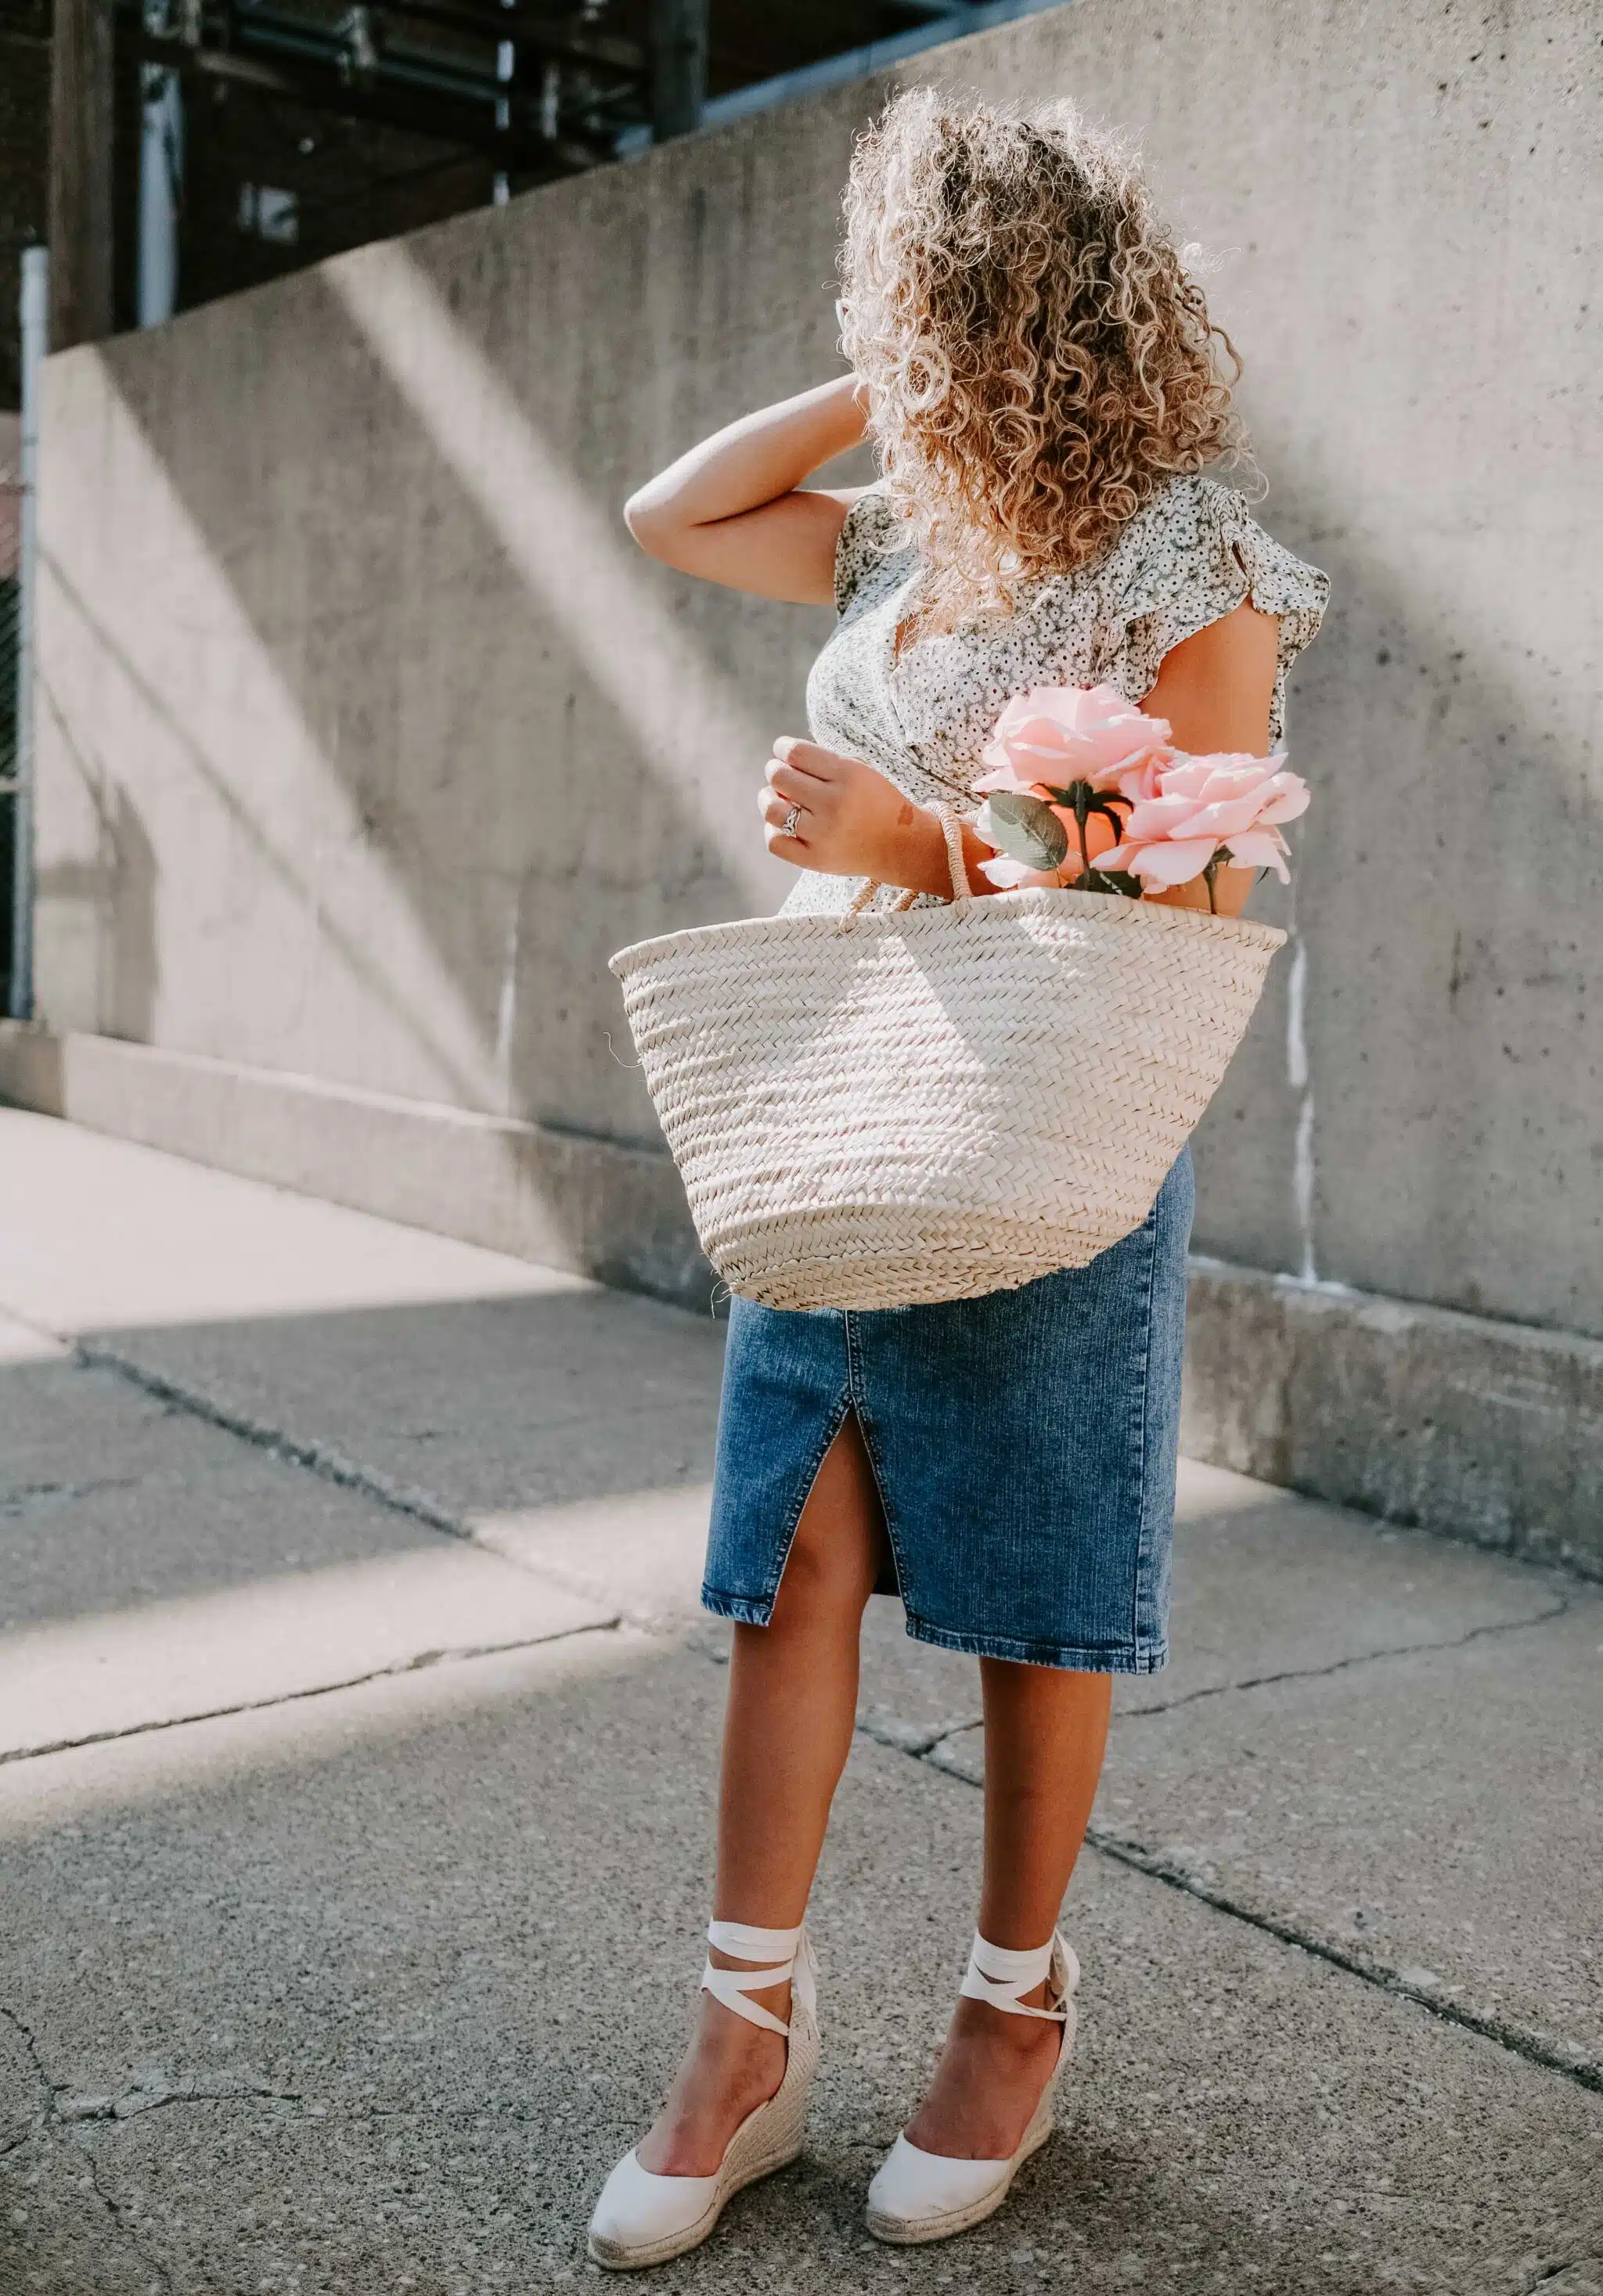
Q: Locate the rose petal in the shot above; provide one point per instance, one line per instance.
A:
(1293, 797)
(1224, 818)
(1166, 862)
(1230, 784)
(1004, 777)
(1261, 848)
(1008, 875)
(1185, 777)
(1141, 783)
(1159, 817)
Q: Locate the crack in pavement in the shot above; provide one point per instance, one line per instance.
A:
(54, 2120)
(1571, 2264)
(120, 2215)
(925, 1746)
(417, 1664)
(20, 1495)
(155, 2091)
(25, 2036)
(320, 1459)
(918, 1738)
(31, 2048)
(332, 1466)
(1559, 1610)
(147, 2092)
(922, 1740)
(1513, 2037)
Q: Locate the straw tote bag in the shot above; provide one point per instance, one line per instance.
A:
(875, 1111)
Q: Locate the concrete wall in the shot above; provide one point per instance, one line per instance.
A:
(365, 736)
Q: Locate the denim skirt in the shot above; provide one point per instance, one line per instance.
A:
(1023, 1443)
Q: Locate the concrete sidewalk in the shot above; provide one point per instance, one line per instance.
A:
(357, 1732)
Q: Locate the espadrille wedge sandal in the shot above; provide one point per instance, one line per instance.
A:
(917, 2195)
(642, 2219)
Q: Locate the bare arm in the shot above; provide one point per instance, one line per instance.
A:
(1215, 690)
(733, 510)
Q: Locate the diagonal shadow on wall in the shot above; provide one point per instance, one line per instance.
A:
(469, 700)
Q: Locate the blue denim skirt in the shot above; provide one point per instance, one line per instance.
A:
(1023, 1443)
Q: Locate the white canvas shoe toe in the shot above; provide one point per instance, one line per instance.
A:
(919, 2188)
(917, 2195)
(643, 2219)
(639, 2211)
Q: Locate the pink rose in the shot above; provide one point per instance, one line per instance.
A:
(1196, 805)
(1058, 734)
(1141, 781)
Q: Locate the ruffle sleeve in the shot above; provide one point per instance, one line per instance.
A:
(869, 542)
(1189, 559)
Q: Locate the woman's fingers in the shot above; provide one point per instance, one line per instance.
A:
(776, 810)
(801, 798)
(775, 806)
(795, 787)
(791, 752)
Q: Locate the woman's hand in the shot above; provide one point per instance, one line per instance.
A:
(851, 821)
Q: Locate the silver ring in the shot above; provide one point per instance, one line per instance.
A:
(787, 827)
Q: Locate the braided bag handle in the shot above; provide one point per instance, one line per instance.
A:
(951, 830)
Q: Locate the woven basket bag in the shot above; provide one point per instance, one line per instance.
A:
(879, 1109)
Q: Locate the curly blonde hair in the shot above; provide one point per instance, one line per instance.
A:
(1038, 360)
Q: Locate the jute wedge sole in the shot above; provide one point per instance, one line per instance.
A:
(642, 2219)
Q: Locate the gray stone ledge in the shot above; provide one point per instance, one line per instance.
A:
(1486, 1430)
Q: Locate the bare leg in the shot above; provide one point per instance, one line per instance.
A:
(1044, 1732)
(787, 1731)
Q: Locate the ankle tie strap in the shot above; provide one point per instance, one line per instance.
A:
(776, 1949)
(998, 1975)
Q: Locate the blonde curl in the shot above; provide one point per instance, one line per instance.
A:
(1038, 359)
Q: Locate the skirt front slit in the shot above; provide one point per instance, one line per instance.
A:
(1025, 1445)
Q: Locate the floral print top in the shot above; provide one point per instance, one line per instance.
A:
(921, 715)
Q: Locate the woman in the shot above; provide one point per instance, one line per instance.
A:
(1042, 383)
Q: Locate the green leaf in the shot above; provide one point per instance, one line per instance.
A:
(1024, 828)
(1110, 880)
